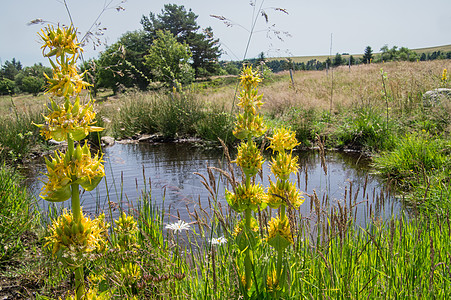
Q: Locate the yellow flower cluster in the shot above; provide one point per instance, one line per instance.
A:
(444, 76)
(62, 43)
(59, 41)
(62, 171)
(283, 192)
(249, 158)
(249, 79)
(65, 80)
(92, 294)
(240, 227)
(243, 197)
(283, 139)
(73, 242)
(248, 126)
(130, 273)
(279, 233)
(283, 165)
(126, 232)
(272, 283)
(70, 119)
(250, 101)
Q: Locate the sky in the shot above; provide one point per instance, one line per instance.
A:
(310, 27)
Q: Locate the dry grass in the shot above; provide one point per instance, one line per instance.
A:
(360, 85)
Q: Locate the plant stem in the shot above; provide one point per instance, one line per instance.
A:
(70, 146)
(76, 211)
(79, 283)
(279, 249)
(247, 258)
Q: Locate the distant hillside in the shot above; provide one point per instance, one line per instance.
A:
(446, 48)
(305, 59)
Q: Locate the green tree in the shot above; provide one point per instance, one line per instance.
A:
(169, 59)
(338, 60)
(33, 85)
(231, 68)
(123, 63)
(367, 55)
(31, 79)
(328, 62)
(10, 69)
(205, 52)
(183, 25)
(385, 53)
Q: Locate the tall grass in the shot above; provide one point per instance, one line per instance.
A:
(19, 137)
(415, 153)
(173, 114)
(16, 215)
(366, 129)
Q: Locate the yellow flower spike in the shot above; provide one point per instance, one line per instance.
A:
(283, 139)
(284, 164)
(248, 123)
(279, 233)
(130, 273)
(126, 230)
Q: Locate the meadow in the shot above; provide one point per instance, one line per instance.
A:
(377, 109)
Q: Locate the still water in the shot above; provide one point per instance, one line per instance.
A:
(168, 169)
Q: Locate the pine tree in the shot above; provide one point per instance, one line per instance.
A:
(367, 55)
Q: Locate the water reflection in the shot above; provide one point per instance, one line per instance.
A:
(169, 168)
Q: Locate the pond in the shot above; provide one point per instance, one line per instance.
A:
(168, 169)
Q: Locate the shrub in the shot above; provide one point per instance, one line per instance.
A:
(7, 86)
(33, 85)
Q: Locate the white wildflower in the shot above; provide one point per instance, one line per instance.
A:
(178, 226)
(218, 241)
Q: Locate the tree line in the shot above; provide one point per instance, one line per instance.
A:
(14, 78)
